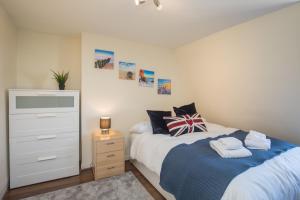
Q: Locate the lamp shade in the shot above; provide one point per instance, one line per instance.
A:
(105, 123)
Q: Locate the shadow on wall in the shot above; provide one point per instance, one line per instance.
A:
(7, 130)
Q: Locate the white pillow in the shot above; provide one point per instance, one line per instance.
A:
(141, 127)
(214, 127)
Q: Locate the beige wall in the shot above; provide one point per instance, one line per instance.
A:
(8, 39)
(125, 101)
(38, 53)
(248, 76)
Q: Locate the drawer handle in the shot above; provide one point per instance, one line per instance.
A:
(40, 159)
(110, 143)
(45, 115)
(46, 137)
(109, 168)
(110, 156)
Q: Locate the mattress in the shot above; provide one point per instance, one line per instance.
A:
(278, 178)
(151, 149)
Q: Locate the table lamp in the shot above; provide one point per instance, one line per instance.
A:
(105, 124)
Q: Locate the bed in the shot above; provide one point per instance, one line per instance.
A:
(276, 178)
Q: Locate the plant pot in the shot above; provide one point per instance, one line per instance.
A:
(61, 86)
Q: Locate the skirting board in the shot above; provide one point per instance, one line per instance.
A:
(3, 190)
(85, 166)
(152, 178)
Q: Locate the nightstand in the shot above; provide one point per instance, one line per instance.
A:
(108, 154)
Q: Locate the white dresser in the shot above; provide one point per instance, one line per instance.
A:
(43, 135)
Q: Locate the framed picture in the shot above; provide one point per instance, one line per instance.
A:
(164, 86)
(146, 78)
(104, 59)
(127, 70)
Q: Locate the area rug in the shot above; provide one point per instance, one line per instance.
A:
(124, 187)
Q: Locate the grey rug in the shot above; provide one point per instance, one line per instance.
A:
(124, 187)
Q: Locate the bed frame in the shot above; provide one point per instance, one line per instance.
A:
(152, 178)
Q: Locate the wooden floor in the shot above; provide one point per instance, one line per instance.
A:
(85, 176)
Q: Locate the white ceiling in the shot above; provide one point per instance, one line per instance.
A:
(180, 21)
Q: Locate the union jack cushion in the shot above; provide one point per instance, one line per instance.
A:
(185, 124)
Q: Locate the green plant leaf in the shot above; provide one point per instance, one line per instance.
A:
(61, 78)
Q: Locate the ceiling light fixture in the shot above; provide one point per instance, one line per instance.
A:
(156, 3)
(139, 2)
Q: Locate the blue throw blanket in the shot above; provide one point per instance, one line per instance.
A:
(197, 172)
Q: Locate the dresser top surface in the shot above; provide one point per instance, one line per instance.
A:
(42, 90)
(113, 134)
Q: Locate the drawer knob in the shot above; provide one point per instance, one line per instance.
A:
(40, 159)
(110, 143)
(45, 115)
(109, 168)
(46, 137)
(111, 155)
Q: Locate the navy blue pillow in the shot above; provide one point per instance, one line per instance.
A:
(189, 109)
(158, 123)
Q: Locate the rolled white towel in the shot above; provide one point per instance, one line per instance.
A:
(262, 144)
(256, 135)
(238, 153)
(231, 143)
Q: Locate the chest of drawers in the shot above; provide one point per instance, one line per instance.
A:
(108, 154)
(43, 135)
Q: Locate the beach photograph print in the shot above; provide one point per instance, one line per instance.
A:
(146, 78)
(164, 86)
(127, 70)
(104, 59)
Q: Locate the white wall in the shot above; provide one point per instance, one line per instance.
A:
(248, 76)
(125, 101)
(38, 53)
(8, 39)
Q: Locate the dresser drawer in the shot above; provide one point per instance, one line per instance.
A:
(42, 143)
(23, 165)
(109, 170)
(29, 179)
(45, 123)
(109, 145)
(109, 158)
(41, 101)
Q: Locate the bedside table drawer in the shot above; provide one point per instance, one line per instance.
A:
(109, 158)
(109, 170)
(109, 145)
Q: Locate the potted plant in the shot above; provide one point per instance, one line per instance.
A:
(61, 79)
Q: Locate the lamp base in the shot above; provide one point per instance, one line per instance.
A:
(105, 131)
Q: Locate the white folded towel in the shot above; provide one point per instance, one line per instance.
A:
(264, 144)
(257, 140)
(238, 153)
(256, 135)
(231, 143)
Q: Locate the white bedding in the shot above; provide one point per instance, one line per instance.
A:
(278, 178)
